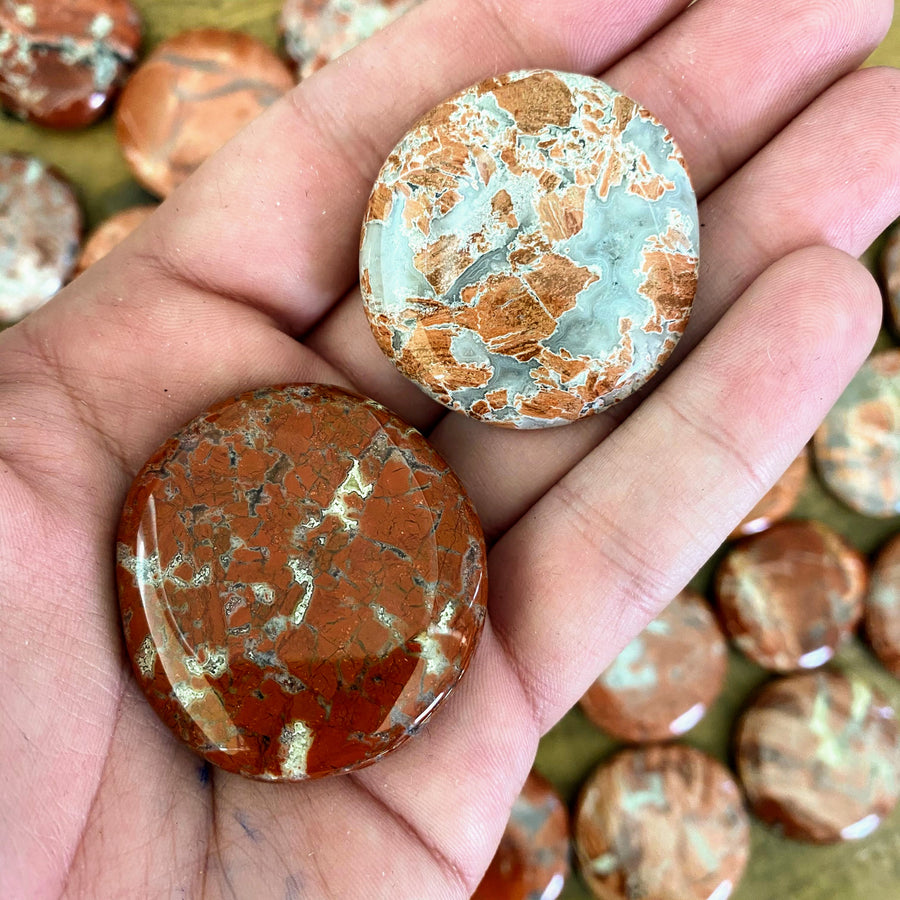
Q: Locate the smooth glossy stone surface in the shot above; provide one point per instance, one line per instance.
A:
(532, 861)
(40, 231)
(779, 500)
(661, 823)
(529, 251)
(665, 680)
(110, 234)
(890, 273)
(301, 580)
(192, 94)
(857, 447)
(791, 596)
(819, 756)
(318, 31)
(62, 61)
(882, 608)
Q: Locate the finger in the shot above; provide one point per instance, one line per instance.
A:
(306, 167)
(345, 340)
(801, 190)
(614, 540)
(720, 114)
(112, 377)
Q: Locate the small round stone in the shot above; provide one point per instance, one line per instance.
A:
(40, 232)
(318, 31)
(882, 608)
(857, 447)
(791, 596)
(61, 63)
(663, 683)
(110, 234)
(301, 579)
(778, 502)
(661, 823)
(191, 95)
(818, 755)
(532, 861)
(890, 272)
(529, 251)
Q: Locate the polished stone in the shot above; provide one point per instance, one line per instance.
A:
(529, 251)
(110, 234)
(778, 502)
(857, 447)
(190, 96)
(61, 63)
(318, 31)
(819, 756)
(40, 232)
(663, 683)
(791, 596)
(890, 274)
(302, 582)
(882, 607)
(661, 823)
(532, 861)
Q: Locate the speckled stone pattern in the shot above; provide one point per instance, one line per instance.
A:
(882, 608)
(819, 756)
(792, 595)
(890, 272)
(110, 234)
(661, 823)
(532, 861)
(318, 31)
(778, 501)
(857, 447)
(192, 94)
(665, 680)
(529, 251)
(62, 61)
(301, 580)
(40, 232)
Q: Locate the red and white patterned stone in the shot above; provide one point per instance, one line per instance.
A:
(302, 582)
(318, 31)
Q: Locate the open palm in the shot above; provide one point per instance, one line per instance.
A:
(593, 530)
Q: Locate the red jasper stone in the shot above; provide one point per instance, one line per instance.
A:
(890, 273)
(189, 97)
(301, 579)
(661, 823)
(663, 682)
(317, 31)
(791, 596)
(110, 234)
(532, 861)
(818, 755)
(882, 606)
(40, 233)
(62, 62)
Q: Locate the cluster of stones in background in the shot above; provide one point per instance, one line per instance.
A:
(65, 65)
(817, 749)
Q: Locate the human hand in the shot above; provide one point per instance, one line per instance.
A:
(593, 531)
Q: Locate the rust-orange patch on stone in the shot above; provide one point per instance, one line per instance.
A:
(535, 102)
